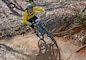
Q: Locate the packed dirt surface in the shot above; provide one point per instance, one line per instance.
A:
(68, 50)
(61, 19)
(25, 47)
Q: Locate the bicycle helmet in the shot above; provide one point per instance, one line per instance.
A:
(29, 6)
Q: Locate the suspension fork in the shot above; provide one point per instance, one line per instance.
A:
(49, 33)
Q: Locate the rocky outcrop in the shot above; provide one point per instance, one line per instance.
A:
(64, 16)
(9, 53)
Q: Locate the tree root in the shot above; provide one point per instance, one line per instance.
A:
(69, 31)
(80, 48)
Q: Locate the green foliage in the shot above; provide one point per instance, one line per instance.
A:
(23, 25)
(84, 40)
(79, 18)
(31, 2)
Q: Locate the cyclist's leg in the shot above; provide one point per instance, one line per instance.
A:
(41, 30)
(33, 20)
(32, 26)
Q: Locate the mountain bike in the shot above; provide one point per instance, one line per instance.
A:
(41, 30)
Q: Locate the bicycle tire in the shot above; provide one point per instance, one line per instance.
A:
(42, 46)
(51, 37)
(54, 51)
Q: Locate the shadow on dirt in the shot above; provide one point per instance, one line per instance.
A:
(49, 53)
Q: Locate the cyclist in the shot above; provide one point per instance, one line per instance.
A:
(29, 15)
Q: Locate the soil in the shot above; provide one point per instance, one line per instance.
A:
(27, 44)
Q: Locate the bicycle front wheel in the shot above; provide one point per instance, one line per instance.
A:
(42, 46)
(55, 48)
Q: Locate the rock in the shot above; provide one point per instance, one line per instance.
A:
(13, 53)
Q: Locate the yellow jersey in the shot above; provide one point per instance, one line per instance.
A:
(28, 15)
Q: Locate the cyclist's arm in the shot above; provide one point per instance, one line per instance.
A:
(39, 9)
(25, 18)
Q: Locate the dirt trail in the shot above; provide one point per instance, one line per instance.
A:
(29, 42)
(68, 50)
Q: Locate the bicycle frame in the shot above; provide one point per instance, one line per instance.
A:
(39, 30)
